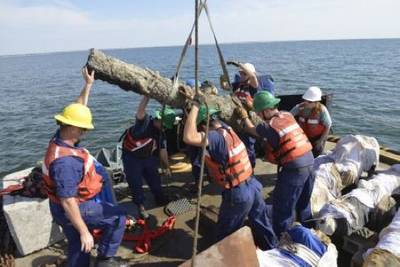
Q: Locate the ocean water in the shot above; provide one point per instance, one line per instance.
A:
(363, 75)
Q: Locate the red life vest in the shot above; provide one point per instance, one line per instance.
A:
(244, 95)
(238, 167)
(293, 143)
(311, 125)
(141, 147)
(91, 182)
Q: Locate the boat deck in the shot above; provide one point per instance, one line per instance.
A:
(175, 246)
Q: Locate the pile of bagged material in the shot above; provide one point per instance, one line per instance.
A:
(352, 211)
(300, 246)
(341, 167)
(387, 251)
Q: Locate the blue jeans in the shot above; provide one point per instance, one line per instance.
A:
(105, 216)
(292, 194)
(135, 170)
(243, 201)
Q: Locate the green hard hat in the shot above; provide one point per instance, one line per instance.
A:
(263, 100)
(202, 115)
(167, 117)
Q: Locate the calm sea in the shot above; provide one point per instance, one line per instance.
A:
(364, 76)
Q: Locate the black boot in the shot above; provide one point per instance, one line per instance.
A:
(110, 262)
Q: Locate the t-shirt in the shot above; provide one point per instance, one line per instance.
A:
(144, 128)
(324, 116)
(272, 137)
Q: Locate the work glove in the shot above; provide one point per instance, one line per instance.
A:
(199, 98)
(191, 96)
(187, 92)
(247, 104)
(241, 113)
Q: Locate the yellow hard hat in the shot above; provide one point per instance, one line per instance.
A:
(76, 114)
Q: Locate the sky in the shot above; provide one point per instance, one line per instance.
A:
(39, 26)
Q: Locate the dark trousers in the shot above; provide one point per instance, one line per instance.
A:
(243, 201)
(105, 216)
(137, 169)
(292, 195)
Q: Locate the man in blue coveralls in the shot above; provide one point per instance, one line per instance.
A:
(228, 164)
(288, 147)
(142, 144)
(244, 87)
(72, 184)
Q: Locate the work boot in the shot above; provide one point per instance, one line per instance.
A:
(110, 262)
(143, 213)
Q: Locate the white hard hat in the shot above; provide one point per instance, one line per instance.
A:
(250, 67)
(312, 94)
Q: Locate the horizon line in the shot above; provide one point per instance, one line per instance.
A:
(201, 44)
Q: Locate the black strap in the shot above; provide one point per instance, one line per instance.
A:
(221, 57)
(187, 43)
(123, 135)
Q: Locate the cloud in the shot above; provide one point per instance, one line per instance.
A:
(59, 25)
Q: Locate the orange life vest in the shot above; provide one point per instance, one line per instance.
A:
(311, 125)
(238, 167)
(91, 182)
(293, 143)
(145, 145)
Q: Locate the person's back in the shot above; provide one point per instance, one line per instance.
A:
(228, 164)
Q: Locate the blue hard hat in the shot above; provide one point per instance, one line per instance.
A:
(191, 82)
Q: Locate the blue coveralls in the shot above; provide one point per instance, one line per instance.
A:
(67, 173)
(244, 200)
(194, 154)
(293, 187)
(144, 166)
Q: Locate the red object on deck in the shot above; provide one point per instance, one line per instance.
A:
(143, 240)
(10, 189)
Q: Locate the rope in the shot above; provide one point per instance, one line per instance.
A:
(187, 43)
(199, 191)
(220, 56)
(196, 73)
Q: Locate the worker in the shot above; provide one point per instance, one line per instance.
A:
(228, 164)
(144, 147)
(313, 117)
(245, 86)
(72, 183)
(288, 147)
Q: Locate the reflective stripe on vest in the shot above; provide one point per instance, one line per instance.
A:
(91, 182)
(311, 125)
(131, 144)
(238, 167)
(293, 143)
